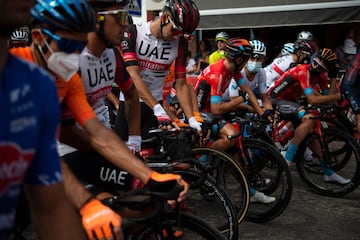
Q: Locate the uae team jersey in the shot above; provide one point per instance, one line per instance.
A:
(98, 74)
(30, 115)
(294, 83)
(153, 56)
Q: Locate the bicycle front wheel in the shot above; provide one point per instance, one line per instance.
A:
(268, 173)
(341, 152)
(228, 174)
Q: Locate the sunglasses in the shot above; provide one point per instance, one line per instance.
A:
(175, 29)
(318, 65)
(65, 44)
(121, 15)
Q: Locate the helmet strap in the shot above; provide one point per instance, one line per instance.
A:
(164, 21)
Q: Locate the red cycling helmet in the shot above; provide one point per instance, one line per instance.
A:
(184, 14)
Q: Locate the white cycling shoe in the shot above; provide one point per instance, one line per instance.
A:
(336, 178)
(262, 198)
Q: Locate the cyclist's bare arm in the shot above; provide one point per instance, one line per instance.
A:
(52, 213)
(183, 93)
(113, 99)
(330, 98)
(252, 98)
(133, 112)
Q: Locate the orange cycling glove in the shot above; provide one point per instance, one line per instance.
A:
(198, 117)
(166, 183)
(99, 220)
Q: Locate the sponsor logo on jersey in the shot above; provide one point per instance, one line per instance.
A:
(14, 163)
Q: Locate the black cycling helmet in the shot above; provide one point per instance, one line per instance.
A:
(68, 15)
(235, 47)
(303, 46)
(328, 57)
(184, 14)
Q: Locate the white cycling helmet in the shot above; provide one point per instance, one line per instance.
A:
(288, 48)
(221, 36)
(20, 34)
(305, 36)
(259, 48)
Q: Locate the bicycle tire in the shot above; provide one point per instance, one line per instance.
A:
(211, 195)
(192, 227)
(230, 176)
(345, 162)
(267, 172)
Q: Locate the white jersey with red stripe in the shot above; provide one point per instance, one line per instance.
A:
(154, 56)
(275, 69)
(98, 75)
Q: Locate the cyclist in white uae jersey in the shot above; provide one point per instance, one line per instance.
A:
(281, 64)
(148, 51)
(101, 65)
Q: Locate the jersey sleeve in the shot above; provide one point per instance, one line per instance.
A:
(122, 77)
(76, 101)
(128, 46)
(45, 167)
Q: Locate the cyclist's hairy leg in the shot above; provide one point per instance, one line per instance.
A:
(223, 142)
(304, 129)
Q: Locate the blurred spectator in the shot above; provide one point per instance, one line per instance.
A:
(202, 57)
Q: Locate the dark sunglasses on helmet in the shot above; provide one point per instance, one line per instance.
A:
(175, 29)
(319, 66)
(121, 15)
(65, 44)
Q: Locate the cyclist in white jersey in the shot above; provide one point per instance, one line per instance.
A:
(280, 65)
(148, 51)
(101, 65)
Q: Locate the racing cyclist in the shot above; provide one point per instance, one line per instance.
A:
(52, 39)
(307, 79)
(149, 50)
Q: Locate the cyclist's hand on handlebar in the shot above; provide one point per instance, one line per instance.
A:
(193, 123)
(166, 183)
(100, 221)
(268, 114)
(161, 115)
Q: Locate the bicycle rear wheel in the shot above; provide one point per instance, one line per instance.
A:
(343, 154)
(267, 172)
(228, 174)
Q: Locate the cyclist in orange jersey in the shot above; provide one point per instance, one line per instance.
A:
(53, 45)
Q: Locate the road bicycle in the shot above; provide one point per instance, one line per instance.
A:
(338, 150)
(165, 151)
(264, 166)
(160, 221)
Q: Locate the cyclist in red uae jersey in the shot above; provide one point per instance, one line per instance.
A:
(215, 79)
(307, 80)
(61, 39)
(28, 126)
(149, 50)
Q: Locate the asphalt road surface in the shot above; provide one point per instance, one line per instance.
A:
(310, 216)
